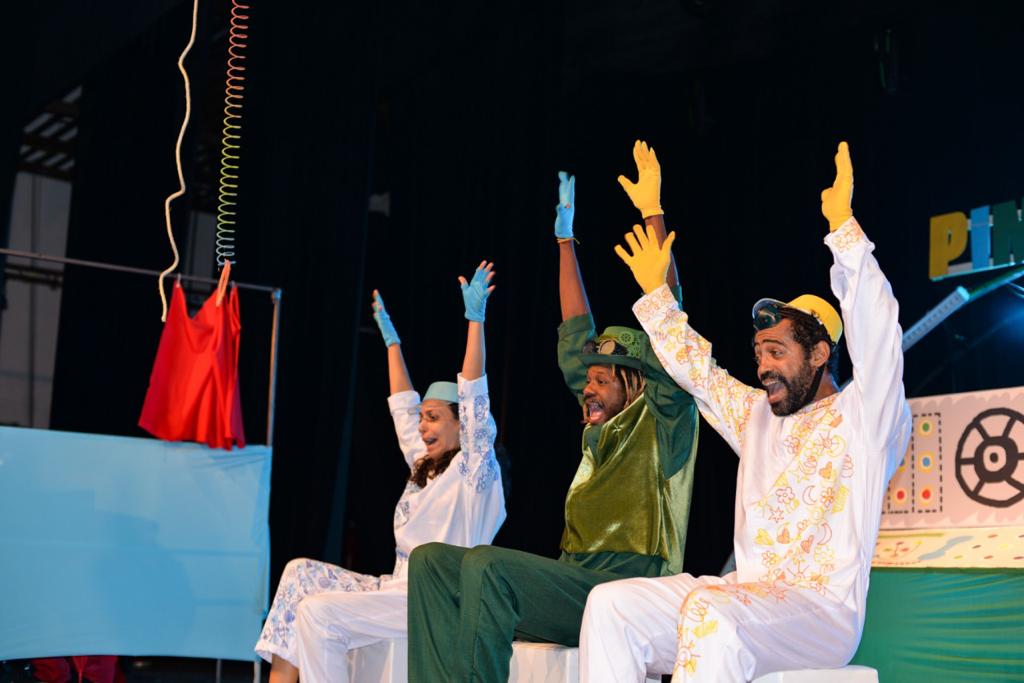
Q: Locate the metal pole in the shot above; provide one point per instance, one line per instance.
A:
(275, 296)
(127, 269)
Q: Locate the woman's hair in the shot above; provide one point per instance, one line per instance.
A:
(633, 384)
(425, 468)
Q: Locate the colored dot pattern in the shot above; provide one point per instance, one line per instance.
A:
(925, 461)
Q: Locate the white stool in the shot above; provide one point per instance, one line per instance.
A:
(847, 674)
(383, 662)
(548, 663)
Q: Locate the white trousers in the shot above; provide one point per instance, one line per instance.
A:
(321, 611)
(710, 629)
(328, 625)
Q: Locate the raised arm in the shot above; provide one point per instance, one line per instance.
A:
(403, 401)
(870, 312)
(645, 194)
(477, 430)
(571, 294)
(474, 296)
(398, 374)
(577, 323)
(724, 402)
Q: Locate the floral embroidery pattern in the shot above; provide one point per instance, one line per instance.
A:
(300, 579)
(847, 235)
(697, 618)
(790, 528)
(794, 531)
(402, 510)
(671, 336)
(477, 432)
(798, 518)
(785, 496)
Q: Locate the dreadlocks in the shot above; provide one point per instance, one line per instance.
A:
(633, 384)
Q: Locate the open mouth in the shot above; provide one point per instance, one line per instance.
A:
(595, 409)
(775, 388)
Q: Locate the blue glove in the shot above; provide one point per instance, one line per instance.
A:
(380, 314)
(476, 291)
(566, 208)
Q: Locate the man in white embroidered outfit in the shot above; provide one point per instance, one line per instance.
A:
(814, 466)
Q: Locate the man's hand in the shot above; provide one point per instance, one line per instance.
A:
(566, 209)
(649, 262)
(836, 200)
(380, 314)
(476, 291)
(646, 191)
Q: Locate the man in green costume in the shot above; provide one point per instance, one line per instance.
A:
(626, 510)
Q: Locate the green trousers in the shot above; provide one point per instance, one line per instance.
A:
(467, 604)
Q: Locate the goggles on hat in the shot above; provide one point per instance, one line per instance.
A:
(767, 316)
(770, 315)
(607, 346)
(768, 312)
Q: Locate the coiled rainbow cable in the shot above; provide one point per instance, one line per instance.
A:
(232, 136)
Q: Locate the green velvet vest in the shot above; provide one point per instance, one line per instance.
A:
(620, 500)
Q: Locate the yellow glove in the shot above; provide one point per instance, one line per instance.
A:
(646, 191)
(649, 262)
(836, 200)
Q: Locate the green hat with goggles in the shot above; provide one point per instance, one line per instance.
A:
(615, 346)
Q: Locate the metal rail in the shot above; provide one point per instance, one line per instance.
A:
(275, 297)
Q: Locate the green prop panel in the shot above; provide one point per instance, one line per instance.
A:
(944, 625)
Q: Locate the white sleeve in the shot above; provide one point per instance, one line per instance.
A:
(477, 431)
(724, 401)
(874, 339)
(405, 412)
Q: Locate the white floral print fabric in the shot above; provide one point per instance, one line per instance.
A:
(809, 485)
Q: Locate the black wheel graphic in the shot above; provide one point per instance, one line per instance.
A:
(990, 458)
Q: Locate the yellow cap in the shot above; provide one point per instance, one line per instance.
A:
(814, 306)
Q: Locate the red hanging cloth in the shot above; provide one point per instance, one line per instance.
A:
(193, 389)
(95, 668)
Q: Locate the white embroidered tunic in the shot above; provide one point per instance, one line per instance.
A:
(465, 504)
(810, 485)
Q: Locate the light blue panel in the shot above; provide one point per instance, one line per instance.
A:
(124, 546)
(981, 238)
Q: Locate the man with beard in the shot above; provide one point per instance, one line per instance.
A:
(626, 511)
(794, 343)
(814, 466)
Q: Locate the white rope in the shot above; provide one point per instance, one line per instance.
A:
(177, 161)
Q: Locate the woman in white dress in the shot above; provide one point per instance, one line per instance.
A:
(454, 495)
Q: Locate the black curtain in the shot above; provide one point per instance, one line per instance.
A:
(463, 114)
(305, 171)
(746, 135)
(130, 112)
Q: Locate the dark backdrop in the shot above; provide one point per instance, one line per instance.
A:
(463, 114)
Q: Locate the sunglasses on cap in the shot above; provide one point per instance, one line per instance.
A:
(607, 346)
(767, 316)
(770, 315)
